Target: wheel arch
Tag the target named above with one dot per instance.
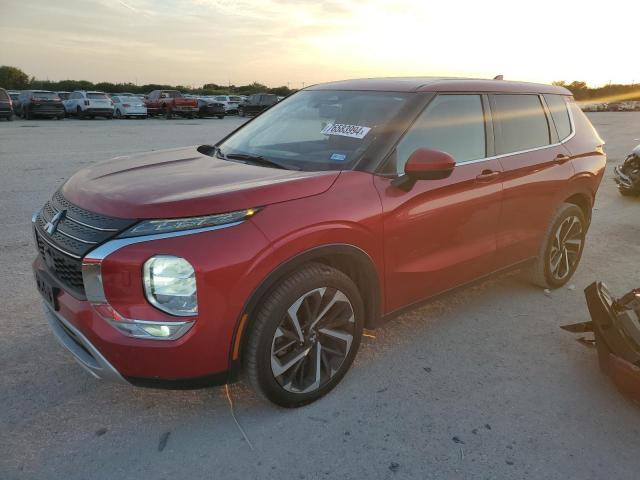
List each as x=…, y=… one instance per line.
x=349, y=259
x=582, y=201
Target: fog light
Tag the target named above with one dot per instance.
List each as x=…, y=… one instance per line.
x=142, y=328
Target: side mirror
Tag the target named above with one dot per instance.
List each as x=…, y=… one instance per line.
x=425, y=164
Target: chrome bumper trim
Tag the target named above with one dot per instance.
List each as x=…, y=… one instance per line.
x=88, y=356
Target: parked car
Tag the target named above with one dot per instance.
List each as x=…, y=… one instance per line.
x=230, y=102
x=39, y=103
x=90, y=104
x=6, y=105
x=270, y=251
x=64, y=95
x=15, y=96
x=255, y=104
x=128, y=106
x=627, y=175
x=170, y=103
x=210, y=108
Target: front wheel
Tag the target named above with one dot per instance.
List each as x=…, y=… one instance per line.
x=561, y=248
x=305, y=336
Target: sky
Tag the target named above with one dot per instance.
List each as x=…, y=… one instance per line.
x=302, y=42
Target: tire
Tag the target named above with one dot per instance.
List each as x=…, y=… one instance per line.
x=10, y=117
x=561, y=248
x=220, y=117
x=60, y=117
x=305, y=292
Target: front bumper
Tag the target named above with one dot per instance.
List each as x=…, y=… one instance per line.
x=84, y=352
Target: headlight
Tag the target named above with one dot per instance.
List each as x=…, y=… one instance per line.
x=151, y=227
x=170, y=285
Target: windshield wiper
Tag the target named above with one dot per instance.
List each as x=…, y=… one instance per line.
x=257, y=160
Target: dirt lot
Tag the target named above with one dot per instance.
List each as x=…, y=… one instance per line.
x=482, y=384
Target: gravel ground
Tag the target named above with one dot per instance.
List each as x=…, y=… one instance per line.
x=482, y=384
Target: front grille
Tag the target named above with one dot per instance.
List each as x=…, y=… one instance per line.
x=77, y=233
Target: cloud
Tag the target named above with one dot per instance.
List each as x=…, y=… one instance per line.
x=280, y=41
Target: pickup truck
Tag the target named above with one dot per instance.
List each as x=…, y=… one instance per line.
x=170, y=103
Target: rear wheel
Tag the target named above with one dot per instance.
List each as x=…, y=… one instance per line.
x=220, y=117
x=561, y=248
x=305, y=336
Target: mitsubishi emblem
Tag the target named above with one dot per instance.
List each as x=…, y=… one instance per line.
x=52, y=225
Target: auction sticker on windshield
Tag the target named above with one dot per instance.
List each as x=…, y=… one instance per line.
x=343, y=130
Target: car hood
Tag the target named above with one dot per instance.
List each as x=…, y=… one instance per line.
x=184, y=182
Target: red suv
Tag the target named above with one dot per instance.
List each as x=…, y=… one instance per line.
x=270, y=251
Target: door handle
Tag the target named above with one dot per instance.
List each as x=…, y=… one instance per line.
x=562, y=158
x=487, y=176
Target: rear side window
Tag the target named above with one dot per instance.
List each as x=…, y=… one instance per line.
x=560, y=114
x=451, y=123
x=520, y=122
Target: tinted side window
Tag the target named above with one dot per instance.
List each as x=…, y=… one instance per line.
x=451, y=123
x=4, y=96
x=521, y=123
x=560, y=114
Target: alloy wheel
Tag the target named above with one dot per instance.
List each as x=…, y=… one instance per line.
x=566, y=247
x=312, y=340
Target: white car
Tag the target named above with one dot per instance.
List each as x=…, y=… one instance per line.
x=128, y=106
x=230, y=102
x=89, y=104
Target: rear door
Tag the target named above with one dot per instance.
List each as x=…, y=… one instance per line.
x=536, y=168
x=442, y=233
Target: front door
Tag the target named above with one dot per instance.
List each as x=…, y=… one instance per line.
x=442, y=233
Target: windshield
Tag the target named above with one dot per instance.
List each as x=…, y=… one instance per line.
x=97, y=96
x=317, y=130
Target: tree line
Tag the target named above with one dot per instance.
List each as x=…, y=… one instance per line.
x=12, y=78
x=605, y=94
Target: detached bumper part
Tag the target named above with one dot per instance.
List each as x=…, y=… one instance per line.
x=616, y=326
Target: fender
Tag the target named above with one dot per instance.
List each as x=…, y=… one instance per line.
x=368, y=280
